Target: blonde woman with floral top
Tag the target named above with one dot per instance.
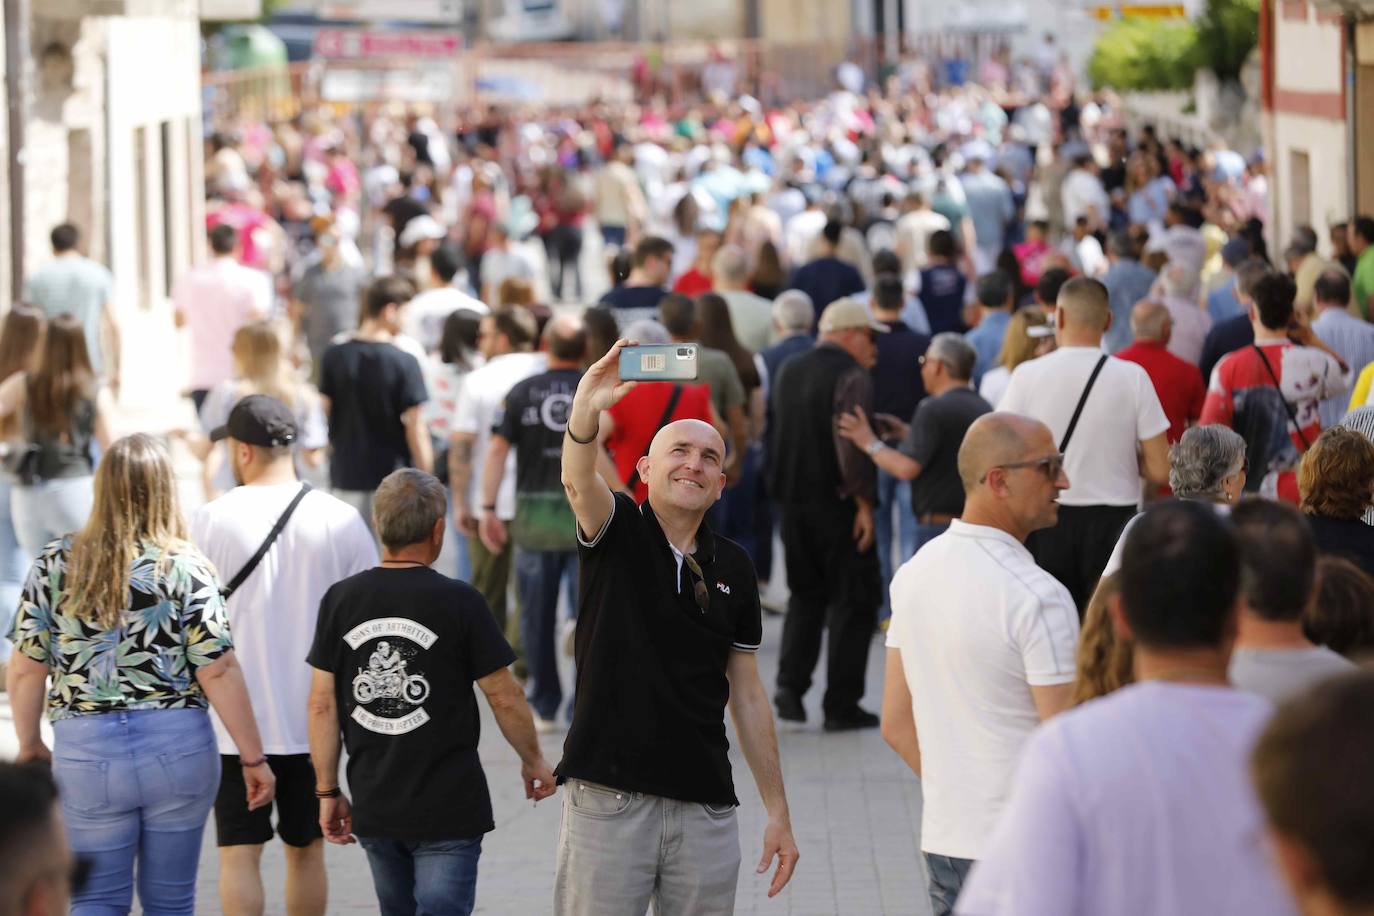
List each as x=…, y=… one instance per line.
x=123, y=626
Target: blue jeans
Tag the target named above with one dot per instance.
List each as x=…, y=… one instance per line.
x=893, y=495
x=425, y=878
x=14, y=565
x=735, y=512
x=947, y=877
x=136, y=789
x=538, y=575
x=49, y=509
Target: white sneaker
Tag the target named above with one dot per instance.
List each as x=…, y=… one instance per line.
x=545, y=726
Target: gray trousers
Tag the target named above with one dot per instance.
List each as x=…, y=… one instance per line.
x=620, y=851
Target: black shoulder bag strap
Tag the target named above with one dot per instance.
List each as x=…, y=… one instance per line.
x=1292, y=414
x=662, y=422
x=1082, y=399
x=252, y=564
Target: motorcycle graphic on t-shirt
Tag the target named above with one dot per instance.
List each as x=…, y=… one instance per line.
x=390, y=688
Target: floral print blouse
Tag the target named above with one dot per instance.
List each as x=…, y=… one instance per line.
x=175, y=623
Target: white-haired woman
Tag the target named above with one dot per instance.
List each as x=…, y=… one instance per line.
x=123, y=624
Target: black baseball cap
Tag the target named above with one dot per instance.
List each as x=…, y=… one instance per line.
x=259, y=420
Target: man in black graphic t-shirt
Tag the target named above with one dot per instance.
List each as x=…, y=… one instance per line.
x=531, y=420
x=397, y=649
x=668, y=624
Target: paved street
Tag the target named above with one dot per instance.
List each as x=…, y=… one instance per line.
x=855, y=811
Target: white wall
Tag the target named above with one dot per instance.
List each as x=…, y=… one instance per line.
x=1324, y=141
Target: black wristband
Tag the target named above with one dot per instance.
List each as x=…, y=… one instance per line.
x=328, y=793
x=489, y=507
x=587, y=441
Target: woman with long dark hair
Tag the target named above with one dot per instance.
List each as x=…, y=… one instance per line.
x=21, y=337
x=126, y=619
x=735, y=511
x=62, y=411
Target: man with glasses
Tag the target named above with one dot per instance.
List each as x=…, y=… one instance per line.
x=929, y=451
x=667, y=629
x=981, y=645
x=37, y=871
x=826, y=489
x=1105, y=416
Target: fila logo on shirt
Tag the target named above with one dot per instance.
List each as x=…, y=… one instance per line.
x=722, y=587
x=388, y=692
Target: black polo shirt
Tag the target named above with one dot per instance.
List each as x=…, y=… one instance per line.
x=651, y=685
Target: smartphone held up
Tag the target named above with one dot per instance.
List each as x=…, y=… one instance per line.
x=675, y=362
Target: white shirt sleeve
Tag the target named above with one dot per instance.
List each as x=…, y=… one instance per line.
x=362, y=552
x=1150, y=417
x=1012, y=400
x=1046, y=631
x=1033, y=861
x=465, y=408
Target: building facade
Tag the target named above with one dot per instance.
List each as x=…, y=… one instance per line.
x=1318, y=100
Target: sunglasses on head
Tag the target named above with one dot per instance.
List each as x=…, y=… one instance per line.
x=1050, y=466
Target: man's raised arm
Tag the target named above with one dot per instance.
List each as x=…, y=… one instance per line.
x=588, y=494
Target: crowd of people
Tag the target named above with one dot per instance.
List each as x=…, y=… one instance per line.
x=1008, y=383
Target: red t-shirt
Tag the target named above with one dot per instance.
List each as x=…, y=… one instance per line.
x=1178, y=384
x=693, y=283
x=636, y=419
x=1243, y=396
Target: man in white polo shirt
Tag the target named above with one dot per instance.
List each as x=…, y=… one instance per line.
x=981, y=644
x=272, y=611
x=1109, y=424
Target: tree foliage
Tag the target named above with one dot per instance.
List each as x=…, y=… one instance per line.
x=1151, y=54
x=1147, y=54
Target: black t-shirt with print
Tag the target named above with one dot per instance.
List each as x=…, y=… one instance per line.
x=651, y=684
x=369, y=385
x=532, y=419
x=405, y=646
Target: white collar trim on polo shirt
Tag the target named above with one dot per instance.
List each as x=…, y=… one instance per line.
x=964, y=529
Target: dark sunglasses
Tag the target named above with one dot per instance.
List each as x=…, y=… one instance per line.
x=699, y=590
x=1050, y=466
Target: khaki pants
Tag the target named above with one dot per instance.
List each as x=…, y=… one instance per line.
x=491, y=577
x=620, y=851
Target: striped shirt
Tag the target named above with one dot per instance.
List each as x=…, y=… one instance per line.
x=1361, y=420
x=1353, y=339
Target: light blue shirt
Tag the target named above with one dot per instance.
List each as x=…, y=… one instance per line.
x=1222, y=302
x=72, y=283
x=1127, y=282
x=1353, y=339
x=990, y=207
x=987, y=341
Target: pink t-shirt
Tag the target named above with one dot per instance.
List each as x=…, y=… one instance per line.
x=216, y=299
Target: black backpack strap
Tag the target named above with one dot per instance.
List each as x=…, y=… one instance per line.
x=1292, y=414
x=266, y=545
x=1082, y=399
x=662, y=422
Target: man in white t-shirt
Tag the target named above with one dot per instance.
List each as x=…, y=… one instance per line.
x=981, y=645
x=505, y=339
x=1118, y=436
x=272, y=616
x=1278, y=574
x=423, y=317
x=1139, y=802
x=914, y=229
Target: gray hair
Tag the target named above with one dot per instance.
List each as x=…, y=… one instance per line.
x=1202, y=459
x=794, y=311
x=646, y=331
x=1179, y=280
x=731, y=264
x=955, y=352
x=406, y=506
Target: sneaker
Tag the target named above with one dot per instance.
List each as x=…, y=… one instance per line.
x=545, y=726
x=851, y=720
x=789, y=705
